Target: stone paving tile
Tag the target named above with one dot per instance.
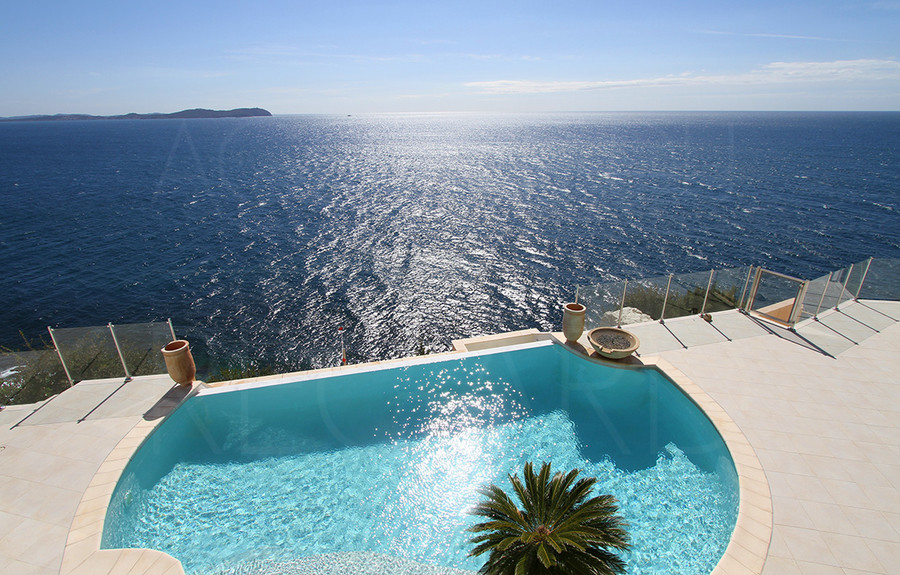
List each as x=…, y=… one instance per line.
x=734, y=325
x=854, y=552
x=75, y=403
x=886, y=552
x=828, y=517
x=885, y=307
x=812, y=568
x=827, y=432
x=849, y=327
x=867, y=316
x=874, y=524
x=46, y=468
x=654, y=338
x=46, y=504
x=13, y=566
x=783, y=565
x=825, y=339
x=131, y=398
x=807, y=545
x=693, y=331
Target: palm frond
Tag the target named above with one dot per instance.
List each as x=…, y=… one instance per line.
x=559, y=530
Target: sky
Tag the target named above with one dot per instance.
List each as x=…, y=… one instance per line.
x=340, y=56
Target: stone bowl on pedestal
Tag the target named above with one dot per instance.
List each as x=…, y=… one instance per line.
x=612, y=342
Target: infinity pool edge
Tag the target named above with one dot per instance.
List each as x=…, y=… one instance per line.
x=745, y=554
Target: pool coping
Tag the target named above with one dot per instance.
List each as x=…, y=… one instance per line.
x=745, y=554
x=748, y=548
x=749, y=545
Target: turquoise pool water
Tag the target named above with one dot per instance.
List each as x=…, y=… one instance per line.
x=387, y=462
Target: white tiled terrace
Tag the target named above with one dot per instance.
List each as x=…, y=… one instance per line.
x=819, y=408
x=52, y=455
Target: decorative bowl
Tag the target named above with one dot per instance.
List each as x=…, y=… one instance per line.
x=612, y=342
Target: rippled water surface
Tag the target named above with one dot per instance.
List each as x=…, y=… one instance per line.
x=390, y=462
x=260, y=237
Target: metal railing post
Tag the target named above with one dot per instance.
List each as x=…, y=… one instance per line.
x=708, y=287
x=863, y=279
x=754, y=288
x=622, y=304
x=844, y=287
x=576, y=293
x=744, y=291
x=797, y=308
x=61, y=360
x=171, y=329
x=822, y=299
x=119, y=351
x=662, y=315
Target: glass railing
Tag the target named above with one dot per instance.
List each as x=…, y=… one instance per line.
x=882, y=280
x=30, y=376
x=75, y=354
x=663, y=297
x=775, y=295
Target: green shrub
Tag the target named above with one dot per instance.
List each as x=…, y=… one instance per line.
x=241, y=371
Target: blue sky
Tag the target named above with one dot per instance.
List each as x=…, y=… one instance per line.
x=338, y=56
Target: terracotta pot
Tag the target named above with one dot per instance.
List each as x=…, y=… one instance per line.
x=573, y=321
x=179, y=362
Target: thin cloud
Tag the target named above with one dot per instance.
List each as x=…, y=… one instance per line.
x=840, y=71
x=891, y=5
x=269, y=51
x=530, y=87
x=175, y=73
x=766, y=35
x=502, y=57
x=436, y=42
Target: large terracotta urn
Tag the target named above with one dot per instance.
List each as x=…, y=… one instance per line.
x=573, y=321
x=179, y=362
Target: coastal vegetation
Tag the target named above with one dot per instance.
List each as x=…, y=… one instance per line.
x=244, y=370
x=558, y=530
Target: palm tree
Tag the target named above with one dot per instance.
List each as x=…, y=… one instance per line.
x=557, y=531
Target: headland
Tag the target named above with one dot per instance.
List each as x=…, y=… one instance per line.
x=184, y=114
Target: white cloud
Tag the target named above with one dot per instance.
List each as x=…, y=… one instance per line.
x=775, y=73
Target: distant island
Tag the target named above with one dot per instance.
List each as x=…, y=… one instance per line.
x=194, y=113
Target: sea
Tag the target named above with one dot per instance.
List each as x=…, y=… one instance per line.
x=269, y=240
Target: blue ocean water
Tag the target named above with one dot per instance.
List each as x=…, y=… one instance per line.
x=260, y=237
x=391, y=461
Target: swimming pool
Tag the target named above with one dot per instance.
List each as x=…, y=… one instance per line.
x=382, y=462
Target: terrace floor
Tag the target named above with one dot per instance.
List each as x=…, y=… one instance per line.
x=819, y=407
x=50, y=453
